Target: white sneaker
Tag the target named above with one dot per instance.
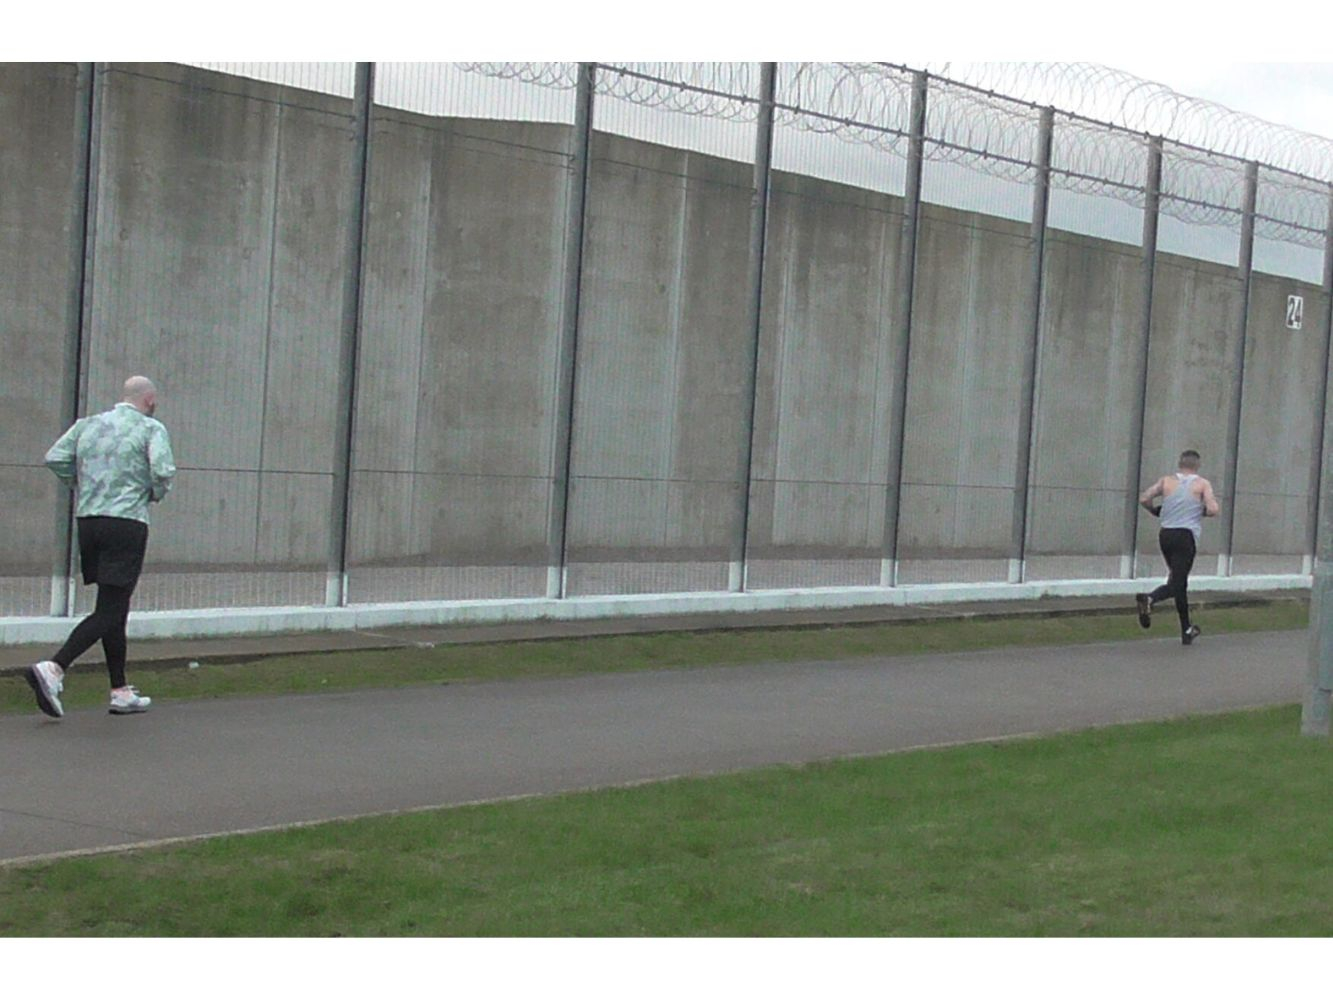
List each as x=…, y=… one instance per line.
x=46, y=681
x=127, y=701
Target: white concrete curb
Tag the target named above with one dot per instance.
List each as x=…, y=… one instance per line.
x=213, y=622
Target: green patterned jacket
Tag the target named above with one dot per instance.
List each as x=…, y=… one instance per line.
x=119, y=461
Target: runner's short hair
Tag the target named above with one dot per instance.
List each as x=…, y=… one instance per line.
x=1189, y=459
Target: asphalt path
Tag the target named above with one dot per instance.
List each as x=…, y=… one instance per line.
x=93, y=781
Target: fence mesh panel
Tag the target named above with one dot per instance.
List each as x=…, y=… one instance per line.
x=219, y=251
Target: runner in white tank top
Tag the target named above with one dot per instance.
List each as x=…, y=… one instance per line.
x=1187, y=499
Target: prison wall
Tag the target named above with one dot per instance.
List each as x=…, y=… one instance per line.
x=219, y=253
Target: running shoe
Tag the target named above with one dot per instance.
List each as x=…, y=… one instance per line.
x=1188, y=636
x=1144, y=602
x=45, y=680
x=128, y=701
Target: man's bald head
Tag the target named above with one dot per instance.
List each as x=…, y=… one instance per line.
x=141, y=394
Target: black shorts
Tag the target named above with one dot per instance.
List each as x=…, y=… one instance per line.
x=111, y=550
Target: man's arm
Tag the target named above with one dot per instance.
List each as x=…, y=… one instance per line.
x=61, y=457
x=1211, y=508
x=161, y=464
x=1147, y=496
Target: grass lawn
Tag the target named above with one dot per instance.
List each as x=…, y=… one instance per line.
x=86, y=685
x=1216, y=826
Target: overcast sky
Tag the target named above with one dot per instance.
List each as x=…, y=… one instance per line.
x=1271, y=59
x=1296, y=94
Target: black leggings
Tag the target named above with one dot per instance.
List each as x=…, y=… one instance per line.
x=1178, y=548
x=107, y=623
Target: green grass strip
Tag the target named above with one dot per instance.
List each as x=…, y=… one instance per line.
x=311, y=673
x=1210, y=826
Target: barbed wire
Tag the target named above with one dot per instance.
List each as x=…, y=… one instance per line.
x=835, y=99
x=985, y=115
x=1091, y=159
x=1206, y=143
x=1131, y=102
x=712, y=90
x=558, y=75
x=727, y=91
x=1292, y=209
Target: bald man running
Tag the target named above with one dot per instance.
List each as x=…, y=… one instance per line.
x=119, y=462
x=1187, y=499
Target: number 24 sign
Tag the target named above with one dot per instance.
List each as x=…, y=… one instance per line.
x=1295, y=310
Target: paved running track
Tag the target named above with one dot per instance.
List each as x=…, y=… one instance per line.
x=95, y=781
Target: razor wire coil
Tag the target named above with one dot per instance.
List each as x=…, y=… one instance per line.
x=985, y=116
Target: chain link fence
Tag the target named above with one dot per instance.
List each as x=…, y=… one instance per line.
x=536, y=330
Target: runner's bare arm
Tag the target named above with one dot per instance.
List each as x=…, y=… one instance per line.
x=1211, y=508
x=1147, y=496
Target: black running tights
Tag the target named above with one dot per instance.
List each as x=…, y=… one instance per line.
x=1178, y=548
x=107, y=623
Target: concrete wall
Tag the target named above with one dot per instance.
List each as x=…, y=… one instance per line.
x=824, y=399
x=969, y=336
x=1279, y=412
x=218, y=269
x=1087, y=394
x=218, y=272
x=659, y=420
x=40, y=221
x=456, y=386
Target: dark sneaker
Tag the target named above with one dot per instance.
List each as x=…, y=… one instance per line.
x=45, y=681
x=1145, y=609
x=1188, y=636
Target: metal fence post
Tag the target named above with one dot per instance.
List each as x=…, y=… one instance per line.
x=335, y=592
x=763, y=155
x=1028, y=393
x=1226, y=557
x=904, y=290
x=1315, y=710
x=576, y=205
x=1129, y=558
x=1317, y=493
x=74, y=391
